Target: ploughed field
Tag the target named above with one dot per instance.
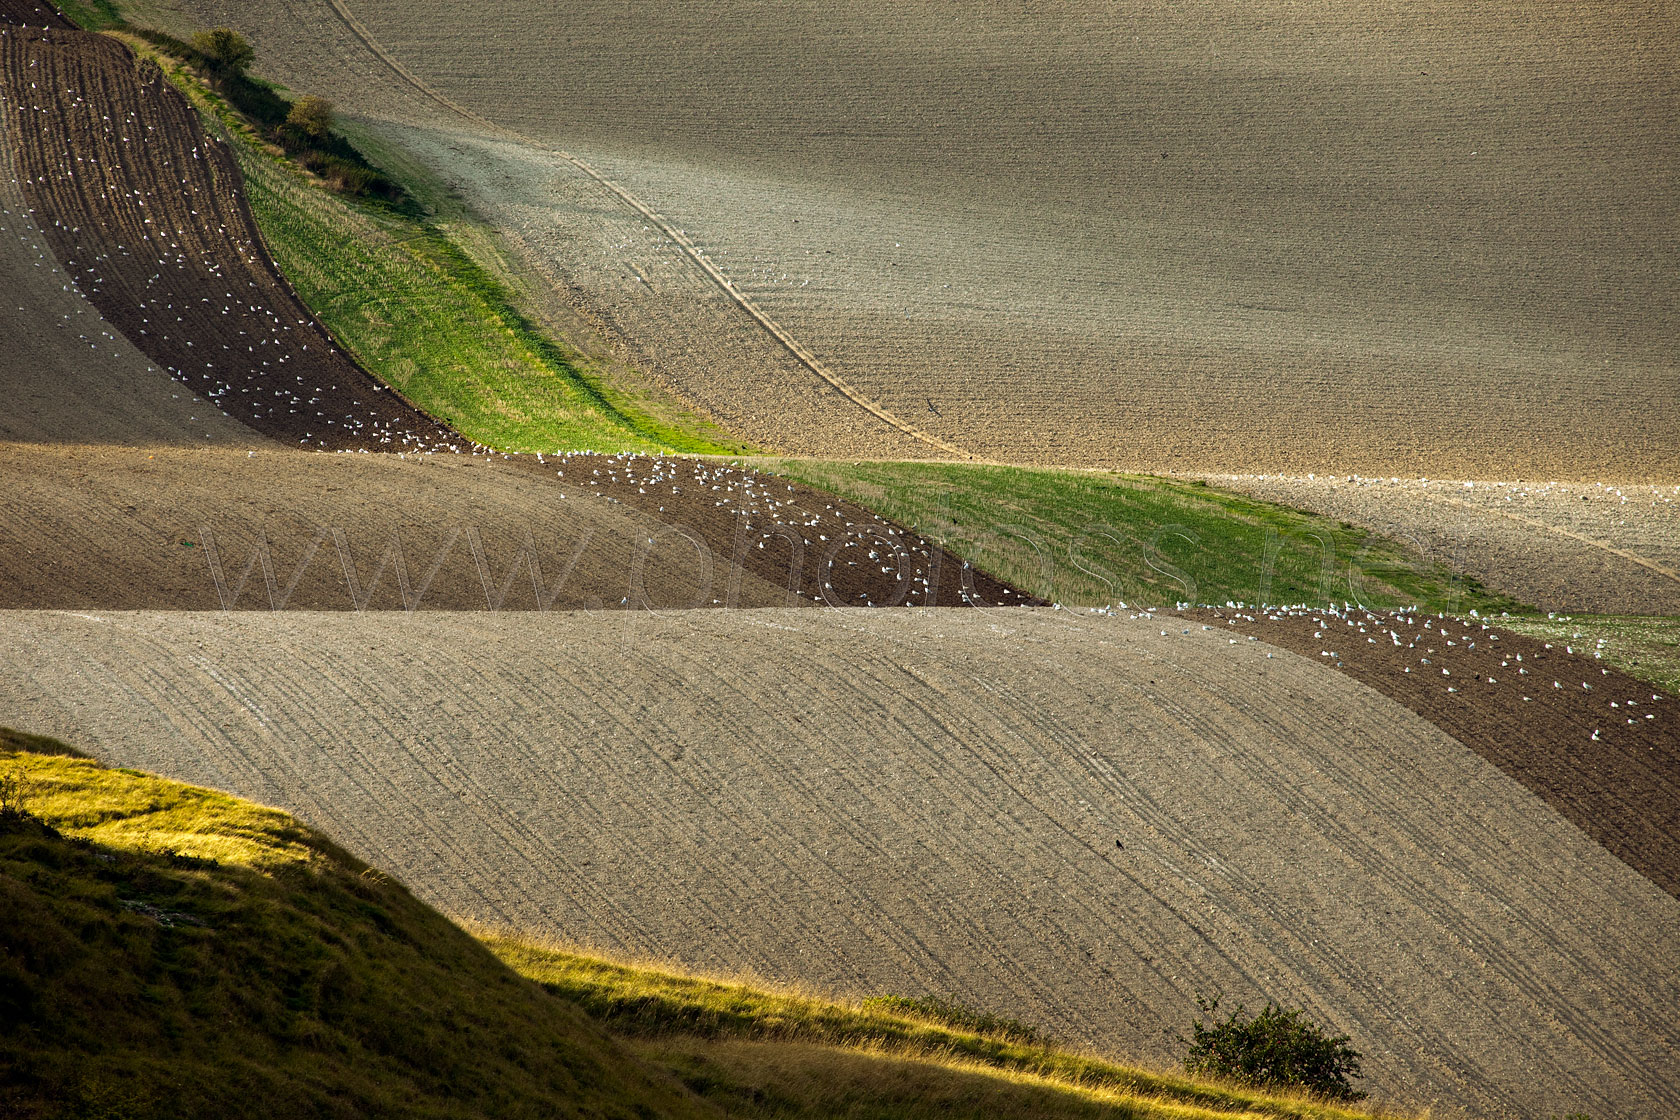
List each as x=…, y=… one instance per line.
x=1078, y=820
x=1599, y=547
x=141, y=277
x=1395, y=239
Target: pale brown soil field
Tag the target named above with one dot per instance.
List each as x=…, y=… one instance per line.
x=120, y=183
x=126, y=528
x=1600, y=747
x=929, y=802
x=1606, y=549
x=1409, y=239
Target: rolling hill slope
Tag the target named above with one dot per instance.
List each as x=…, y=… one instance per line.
x=928, y=802
x=1400, y=239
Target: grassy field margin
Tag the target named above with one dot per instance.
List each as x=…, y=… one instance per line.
x=1097, y=538
x=425, y=316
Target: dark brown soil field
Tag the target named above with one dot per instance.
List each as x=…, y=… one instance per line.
x=1597, y=745
x=144, y=212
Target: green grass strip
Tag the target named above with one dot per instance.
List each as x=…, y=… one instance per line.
x=1088, y=538
x=423, y=316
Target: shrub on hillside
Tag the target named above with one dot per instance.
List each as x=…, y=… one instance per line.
x=224, y=50
x=1277, y=1049
x=312, y=116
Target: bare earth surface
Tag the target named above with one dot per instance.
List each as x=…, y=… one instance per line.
x=929, y=802
x=69, y=375
x=1409, y=239
x=1602, y=548
x=124, y=528
x=146, y=214
x=1597, y=745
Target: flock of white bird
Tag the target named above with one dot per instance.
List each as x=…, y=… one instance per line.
x=771, y=512
x=1430, y=635
x=189, y=296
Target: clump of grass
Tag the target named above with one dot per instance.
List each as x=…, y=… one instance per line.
x=1092, y=538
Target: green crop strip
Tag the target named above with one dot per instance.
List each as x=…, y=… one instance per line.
x=422, y=315
x=1084, y=538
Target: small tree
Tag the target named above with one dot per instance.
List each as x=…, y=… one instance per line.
x=312, y=116
x=1277, y=1049
x=225, y=50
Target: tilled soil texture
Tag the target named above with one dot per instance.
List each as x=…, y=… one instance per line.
x=822, y=548
x=33, y=13
x=1600, y=747
x=1598, y=547
x=286, y=529
x=1423, y=239
x=145, y=212
x=126, y=528
x=67, y=375
x=1077, y=820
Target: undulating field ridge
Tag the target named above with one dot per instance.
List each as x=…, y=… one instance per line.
x=1080, y=821
x=1395, y=239
x=1245, y=241
x=115, y=197
x=176, y=951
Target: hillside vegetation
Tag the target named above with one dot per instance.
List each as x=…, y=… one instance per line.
x=171, y=950
x=1094, y=538
x=426, y=316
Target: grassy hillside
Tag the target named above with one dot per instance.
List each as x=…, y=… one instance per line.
x=175, y=951
x=172, y=951
x=418, y=308
x=1095, y=538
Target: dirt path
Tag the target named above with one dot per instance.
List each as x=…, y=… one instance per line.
x=930, y=801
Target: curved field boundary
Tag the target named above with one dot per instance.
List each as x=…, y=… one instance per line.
x=1631, y=557
x=148, y=219
x=1600, y=747
x=774, y=329
x=1080, y=821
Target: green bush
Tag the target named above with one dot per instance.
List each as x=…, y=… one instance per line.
x=1277, y=1049
x=225, y=50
